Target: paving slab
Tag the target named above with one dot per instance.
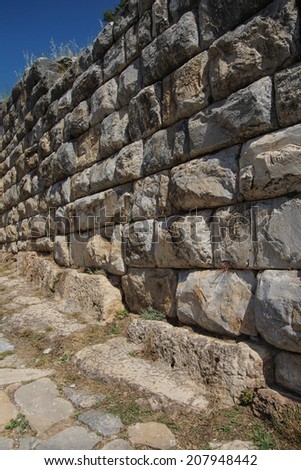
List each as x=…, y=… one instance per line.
x=6, y=444
x=10, y=376
x=28, y=443
x=105, y=423
x=233, y=445
x=40, y=403
x=73, y=438
x=155, y=435
x=8, y=410
x=83, y=399
x=118, y=444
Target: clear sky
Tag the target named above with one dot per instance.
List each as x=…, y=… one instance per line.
x=29, y=25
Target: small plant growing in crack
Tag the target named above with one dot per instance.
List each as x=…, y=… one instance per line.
x=20, y=423
x=151, y=313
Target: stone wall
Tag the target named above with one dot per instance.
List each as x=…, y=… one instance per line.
x=168, y=156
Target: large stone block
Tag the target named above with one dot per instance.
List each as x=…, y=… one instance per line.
x=128, y=166
x=114, y=59
x=104, y=101
x=243, y=115
x=90, y=293
x=137, y=37
x=218, y=301
x=86, y=84
x=150, y=197
x=145, y=112
x=102, y=175
x=65, y=104
x=186, y=91
x=155, y=288
x=171, y=49
x=59, y=165
x=87, y=149
x=80, y=185
x=288, y=94
x=270, y=166
x=216, y=18
x=184, y=242
x=114, y=132
x=160, y=20
x=288, y=371
x=138, y=239
x=269, y=41
x=206, y=182
x=277, y=309
x=61, y=253
x=178, y=7
x=129, y=83
x=77, y=122
x=103, y=42
x=166, y=148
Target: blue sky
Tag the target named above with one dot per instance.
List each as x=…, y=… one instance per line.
x=29, y=25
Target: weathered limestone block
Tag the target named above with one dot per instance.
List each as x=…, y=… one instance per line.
x=87, y=149
x=123, y=21
x=104, y=101
x=77, y=122
x=206, y=182
x=44, y=273
x=114, y=132
x=216, y=18
x=58, y=194
x=288, y=93
x=288, y=371
x=59, y=165
x=145, y=112
x=11, y=197
x=114, y=59
x=259, y=48
x=270, y=166
x=138, y=36
x=61, y=252
x=40, y=245
x=128, y=165
x=51, y=116
x=155, y=288
x=178, y=7
x=150, y=197
x=44, y=146
x=85, y=59
x=166, y=148
x=80, y=185
x=243, y=115
x=86, y=84
x=65, y=104
x=103, y=42
x=89, y=250
x=116, y=263
x=102, y=175
x=11, y=233
x=226, y=368
x=218, y=301
x=144, y=5
x=277, y=309
x=129, y=83
x=56, y=135
x=186, y=91
x=90, y=293
x=171, y=49
x=184, y=242
x=160, y=21
x=42, y=68
x=138, y=239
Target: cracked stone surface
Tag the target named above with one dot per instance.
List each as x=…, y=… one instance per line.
x=8, y=410
x=11, y=376
x=155, y=435
x=105, y=423
x=73, y=438
x=82, y=399
x=6, y=444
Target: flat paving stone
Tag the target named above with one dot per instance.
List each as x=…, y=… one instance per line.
x=11, y=376
x=6, y=444
x=155, y=435
x=105, y=423
x=118, y=444
x=82, y=399
x=12, y=362
x=233, y=445
x=8, y=410
x=5, y=346
x=73, y=438
x=40, y=403
x=28, y=443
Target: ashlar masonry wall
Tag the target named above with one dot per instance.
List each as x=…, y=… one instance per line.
x=168, y=155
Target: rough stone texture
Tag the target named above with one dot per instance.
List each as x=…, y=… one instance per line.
x=90, y=292
x=73, y=438
x=244, y=114
x=233, y=445
x=145, y=288
x=105, y=423
x=288, y=371
x=77, y=122
x=150, y=197
x=118, y=444
x=7, y=410
x=287, y=96
x=5, y=346
x=171, y=49
x=104, y=101
x=145, y=112
x=113, y=363
x=28, y=443
x=186, y=91
x=218, y=301
x=129, y=83
x=155, y=435
x=139, y=244
x=277, y=309
x=41, y=404
x=12, y=376
x=114, y=59
x=217, y=18
x=86, y=84
x=270, y=165
x=83, y=399
x=114, y=132
x=6, y=444
x=207, y=182
x=254, y=50
x=225, y=368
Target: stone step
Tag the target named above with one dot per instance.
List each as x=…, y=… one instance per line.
x=116, y=361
